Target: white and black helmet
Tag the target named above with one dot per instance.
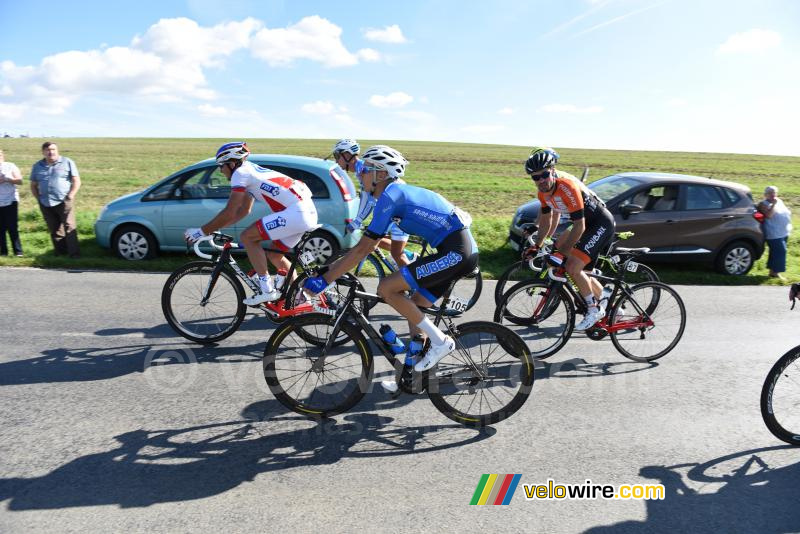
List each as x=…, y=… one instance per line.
x=385, y=158
x=235, y=151
x=346, y=145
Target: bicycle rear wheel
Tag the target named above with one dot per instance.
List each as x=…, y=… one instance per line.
x=780, y=398
x=209, y=322
x=649, y=323
x=541, y=315
x=469, y=288
x=486, y=379
x=309, y=382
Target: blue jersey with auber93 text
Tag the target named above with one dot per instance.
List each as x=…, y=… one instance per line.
x=417, y=211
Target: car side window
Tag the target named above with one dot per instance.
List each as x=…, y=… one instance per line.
x=163, y=191
x=702, y=197
x=194, y=184
x=314, y=182
x=217, y=185
x=656, y=198
x=733, y=197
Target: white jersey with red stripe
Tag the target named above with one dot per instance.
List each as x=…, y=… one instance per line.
x=272, y=188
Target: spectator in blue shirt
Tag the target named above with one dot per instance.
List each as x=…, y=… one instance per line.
x=55, y=182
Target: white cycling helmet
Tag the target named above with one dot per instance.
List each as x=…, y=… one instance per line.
x=346, y=145
x=235, y=151
x=385, y=158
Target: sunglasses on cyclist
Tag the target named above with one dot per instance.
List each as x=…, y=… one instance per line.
x=365, y=169
x=547, y=173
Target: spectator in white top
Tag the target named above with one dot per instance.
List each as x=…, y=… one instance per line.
x=10, y=179
x=777, y=226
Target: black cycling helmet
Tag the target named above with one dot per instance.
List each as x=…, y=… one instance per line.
x=540, y=159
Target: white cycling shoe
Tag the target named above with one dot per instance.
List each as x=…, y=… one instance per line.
x=435, y=354
x=264, y=296
x=390, y=386
x=594, y=314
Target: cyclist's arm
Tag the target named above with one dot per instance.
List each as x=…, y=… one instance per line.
x=548, y=222
x=238, y=202
x=365, y=204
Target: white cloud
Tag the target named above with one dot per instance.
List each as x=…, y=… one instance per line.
x=393, y=100
x=320, y=107
x=482, y=128
x=676, y=102
x=207, y=110
x=313, y=38
x=755, y=40
x=369, y=55
x=12, y=111
x=165, y=64
x=389, y=34
x=505, y=111
x=570, y=108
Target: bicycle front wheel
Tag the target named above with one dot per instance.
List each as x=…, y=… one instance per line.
x=516, y=272
x=486, y=379
x=313, y=382
x=780, y=398
x=648, y=323
x=541, y=315
x=201, y=310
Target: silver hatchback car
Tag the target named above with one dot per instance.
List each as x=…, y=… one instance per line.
x=137, y=225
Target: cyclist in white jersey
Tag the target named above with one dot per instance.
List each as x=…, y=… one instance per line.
x=345, y=153
x=289, y=200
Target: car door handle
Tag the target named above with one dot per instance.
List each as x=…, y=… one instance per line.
x=729, y=216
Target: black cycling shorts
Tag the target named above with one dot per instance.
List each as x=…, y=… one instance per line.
x=596, y=238
x=455, y=257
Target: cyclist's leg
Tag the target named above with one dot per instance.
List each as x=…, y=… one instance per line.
x=251, y=238
x=288, y=227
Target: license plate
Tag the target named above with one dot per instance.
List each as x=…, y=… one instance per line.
x=632, y=266
x=307, y=258
x=457, y=304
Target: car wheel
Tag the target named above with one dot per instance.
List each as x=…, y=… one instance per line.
x=134, y=242
x=322, y=245
x=736, y=258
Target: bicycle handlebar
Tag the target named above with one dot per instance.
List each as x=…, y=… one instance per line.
x=210, y=240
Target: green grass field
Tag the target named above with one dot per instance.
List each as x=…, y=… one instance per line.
x=486, y=180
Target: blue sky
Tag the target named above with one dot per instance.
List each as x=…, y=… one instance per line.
x=717, y=76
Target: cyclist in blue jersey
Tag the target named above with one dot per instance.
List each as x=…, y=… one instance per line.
x=420, y=212
x=345, y=153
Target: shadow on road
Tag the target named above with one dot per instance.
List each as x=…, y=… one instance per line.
x=748, y=491
x=158, y=466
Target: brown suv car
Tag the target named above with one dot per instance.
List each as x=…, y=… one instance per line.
x=680, y=217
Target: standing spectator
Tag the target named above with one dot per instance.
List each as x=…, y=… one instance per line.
x=10, y=178
x=777, y=225
x=55, y=182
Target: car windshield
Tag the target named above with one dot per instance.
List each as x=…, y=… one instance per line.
x=611, y=186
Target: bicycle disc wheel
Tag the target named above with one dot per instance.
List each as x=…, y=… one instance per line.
x=644, y=334
x=486, y=379
x=516, y=272
x=469, y=288
x=181, y=302
x=780, y=398
x=542, y=316
x=308, y=382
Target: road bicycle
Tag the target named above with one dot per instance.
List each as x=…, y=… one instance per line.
x=380, y=264
x=485, y=380
x=615, y=258
x=645, y=321
x=202, y=300
x=780, y=394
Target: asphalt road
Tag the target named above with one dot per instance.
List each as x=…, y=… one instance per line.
x=95, y=436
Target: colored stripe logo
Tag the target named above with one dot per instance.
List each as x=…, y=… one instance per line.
x=495, y=489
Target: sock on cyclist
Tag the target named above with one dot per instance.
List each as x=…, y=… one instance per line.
x=265, y=281
x=436, y=336
x=591, y=301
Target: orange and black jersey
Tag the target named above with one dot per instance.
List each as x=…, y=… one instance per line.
x=570, y=195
